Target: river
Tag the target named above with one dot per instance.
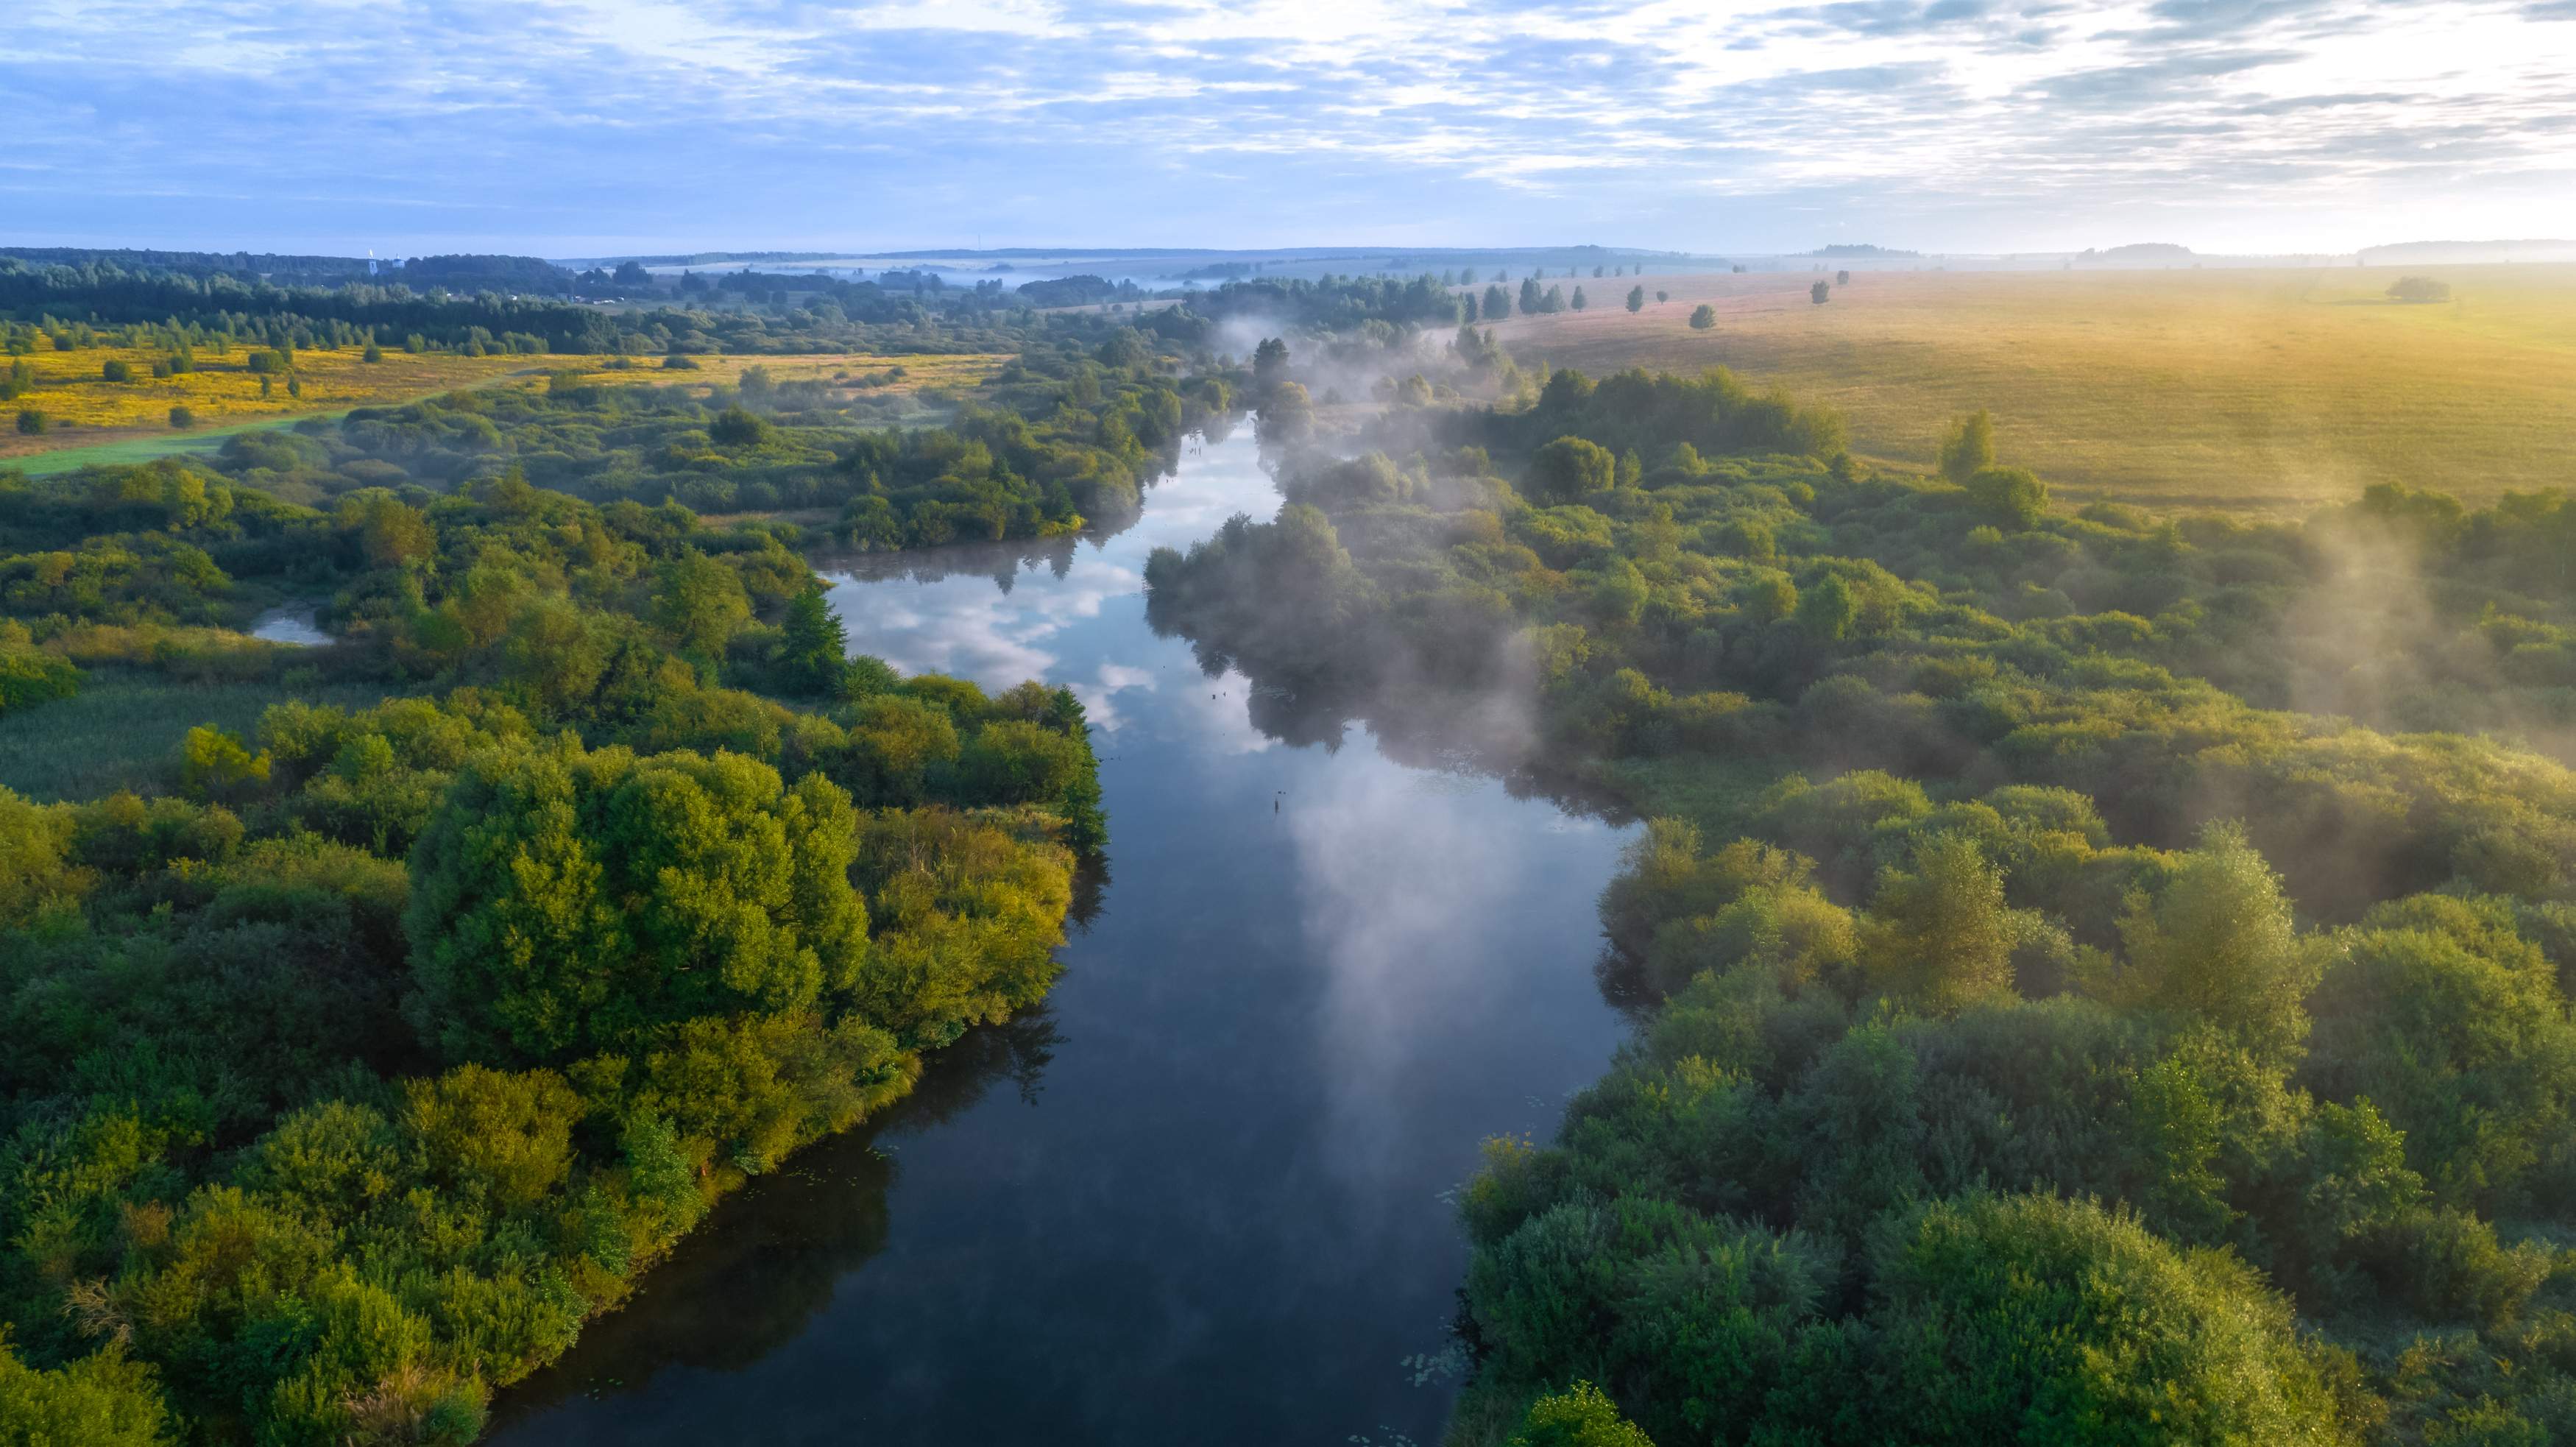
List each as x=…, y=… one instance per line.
x=1201, y=1196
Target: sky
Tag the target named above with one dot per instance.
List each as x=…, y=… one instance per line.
x=406, y=127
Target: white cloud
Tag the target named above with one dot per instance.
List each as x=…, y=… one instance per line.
x=1953, y=124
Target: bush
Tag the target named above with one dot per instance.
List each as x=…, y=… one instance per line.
x=2012, y=496
x=738, y=428
x=1702, y=319
x=118, y=371
x=1568, y=468
x=32, y=422
x=181, y=417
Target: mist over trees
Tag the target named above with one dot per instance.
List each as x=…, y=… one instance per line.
x=2047, y=1027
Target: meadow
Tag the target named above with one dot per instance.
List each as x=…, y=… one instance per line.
x=83, y=408
x=128, y=422
x=2268, y=392
x=123, y=730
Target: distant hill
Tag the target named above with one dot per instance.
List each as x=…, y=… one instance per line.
x=2143, y=251
x=2426, y=253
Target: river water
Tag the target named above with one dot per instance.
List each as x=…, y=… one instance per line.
x=1200, y=1197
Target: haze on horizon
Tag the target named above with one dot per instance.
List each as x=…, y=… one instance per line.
x=1959, y=125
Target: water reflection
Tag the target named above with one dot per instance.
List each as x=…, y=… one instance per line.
x=1320, y=976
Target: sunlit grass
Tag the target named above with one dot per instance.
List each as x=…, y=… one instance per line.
x=2268, y=391
x=72, y=390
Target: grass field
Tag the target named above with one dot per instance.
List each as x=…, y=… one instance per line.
x=124, y=729
x=2262, y=391
x=83, y=408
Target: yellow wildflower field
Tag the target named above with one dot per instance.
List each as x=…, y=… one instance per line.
x=79, y=404
x=83, y=409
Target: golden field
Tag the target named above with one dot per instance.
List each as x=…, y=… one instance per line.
x=84, y=410
x=2267, y=391
x=72, y=391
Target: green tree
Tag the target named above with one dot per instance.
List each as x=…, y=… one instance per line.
x=1637, y=298
x=1820, y=292
x=31, y=422
x=735, y=427
x=1703, y=318
x=1968, y=447
x=1498, y=302
x=1570, y=468
x=214, y=763
x=2419, y=289
x=813, y=654
x=1579, y=1416
x=118, y=372
x=1941, y=934
x=100, y=1400
x=2219, y=942
x=566, y=902
x=2038, y=1319
x=182, y=419
x=1828, y=610
x=1270, y=364
x=698, y=602
x=1579, y=302
x=1530, y=299
x=2012, y=496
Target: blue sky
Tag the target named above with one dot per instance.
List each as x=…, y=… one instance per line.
x=1955, y=125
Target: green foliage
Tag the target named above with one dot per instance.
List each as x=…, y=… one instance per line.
x=1702, y=317
x=813, y=653
x=1968, y=448
x=1579, y=1416
x=102, y=1400
x=1941, y=934
x=2218, y=942
x=569, y=902
x=1568, y=468
x=2072, y=1043
x=2009, y=495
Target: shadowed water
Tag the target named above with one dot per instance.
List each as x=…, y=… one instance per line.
x=1199, y=1197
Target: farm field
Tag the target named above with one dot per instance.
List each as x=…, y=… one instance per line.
x=2260, y=391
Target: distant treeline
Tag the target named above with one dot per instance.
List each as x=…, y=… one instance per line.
x=829, y=314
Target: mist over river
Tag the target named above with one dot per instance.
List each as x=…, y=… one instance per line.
x=1198, y=1197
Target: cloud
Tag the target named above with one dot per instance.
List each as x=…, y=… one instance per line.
x=410, y=126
